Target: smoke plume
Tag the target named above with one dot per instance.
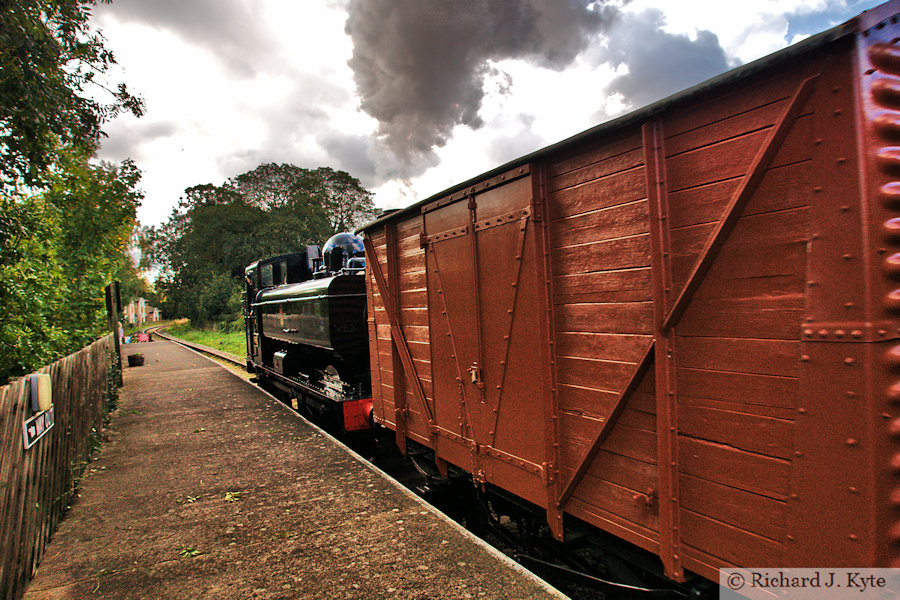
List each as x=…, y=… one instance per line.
x=419, y=66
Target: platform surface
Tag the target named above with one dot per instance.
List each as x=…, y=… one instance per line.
x=208, y=488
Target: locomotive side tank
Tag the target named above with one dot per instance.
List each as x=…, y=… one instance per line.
x=328, y=314
x=680, y=327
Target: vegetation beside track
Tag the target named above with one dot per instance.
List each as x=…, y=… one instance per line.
x=214, y=337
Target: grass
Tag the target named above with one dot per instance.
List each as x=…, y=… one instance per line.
x=214, y=337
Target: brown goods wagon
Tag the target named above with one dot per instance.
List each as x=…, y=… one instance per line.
x=681, y=326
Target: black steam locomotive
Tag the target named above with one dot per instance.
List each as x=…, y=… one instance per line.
x=307, y=338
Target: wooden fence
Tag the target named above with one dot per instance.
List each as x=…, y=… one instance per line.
x=38, y=483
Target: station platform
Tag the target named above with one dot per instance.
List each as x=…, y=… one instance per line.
x=207, y=487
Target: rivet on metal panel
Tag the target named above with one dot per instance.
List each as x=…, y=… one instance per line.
x=890, y=194
x=853, y=490
x=887, y=124
x=801, y=410
x=847, y=256
x=889, y=159
x=893, y=393
x=798, y=453
x=894, y=428
x=851, y=395
x=848, y=305
x=841, y=160
x=892, y=265
x=817, y=190
x=807, y=332
x=804, y=358
x=856, y=333
x=892, y=228
x=892, y=358
x=853, y=537
x=790, y=538
x=812, y=283
x=895, y=463
x=839, y=333
x=849, y=361
x=852, y=441
x=837, y=112
x=818, y=142
x=845, y=208
x=823, y=333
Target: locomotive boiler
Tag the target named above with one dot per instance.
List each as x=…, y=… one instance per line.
x=307, y=337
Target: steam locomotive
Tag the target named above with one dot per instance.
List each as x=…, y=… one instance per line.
x=307, y=339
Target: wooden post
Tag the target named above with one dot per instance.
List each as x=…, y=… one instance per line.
x=113, y=310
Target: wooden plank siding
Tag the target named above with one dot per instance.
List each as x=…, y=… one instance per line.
x=36, y=484
x=413, y=321
x=737, y=343
x=722, y=278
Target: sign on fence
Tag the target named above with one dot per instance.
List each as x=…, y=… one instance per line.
x=35, y=427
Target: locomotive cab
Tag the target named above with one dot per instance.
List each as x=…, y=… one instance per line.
x=295, y=267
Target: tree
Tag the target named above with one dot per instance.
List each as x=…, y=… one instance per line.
x=348, y=204
x=96, y=206
x=345, y=202
x=74, y=240
x=51, y=65
x=216, y=231
x=64, y=222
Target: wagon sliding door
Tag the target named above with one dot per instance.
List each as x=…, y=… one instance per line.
x=484, y=315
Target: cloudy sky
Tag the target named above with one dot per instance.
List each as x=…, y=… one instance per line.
x=410, y=96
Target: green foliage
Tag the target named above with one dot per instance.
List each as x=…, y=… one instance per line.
x=51, y=71
x=69, y=243
x=64, y=223
x=217, y=231
x=228, y=336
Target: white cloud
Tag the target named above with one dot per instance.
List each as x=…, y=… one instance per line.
x=230, y=84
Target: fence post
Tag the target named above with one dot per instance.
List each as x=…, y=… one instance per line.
x=113, y=310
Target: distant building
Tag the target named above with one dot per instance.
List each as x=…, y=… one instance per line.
x=138, y=311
